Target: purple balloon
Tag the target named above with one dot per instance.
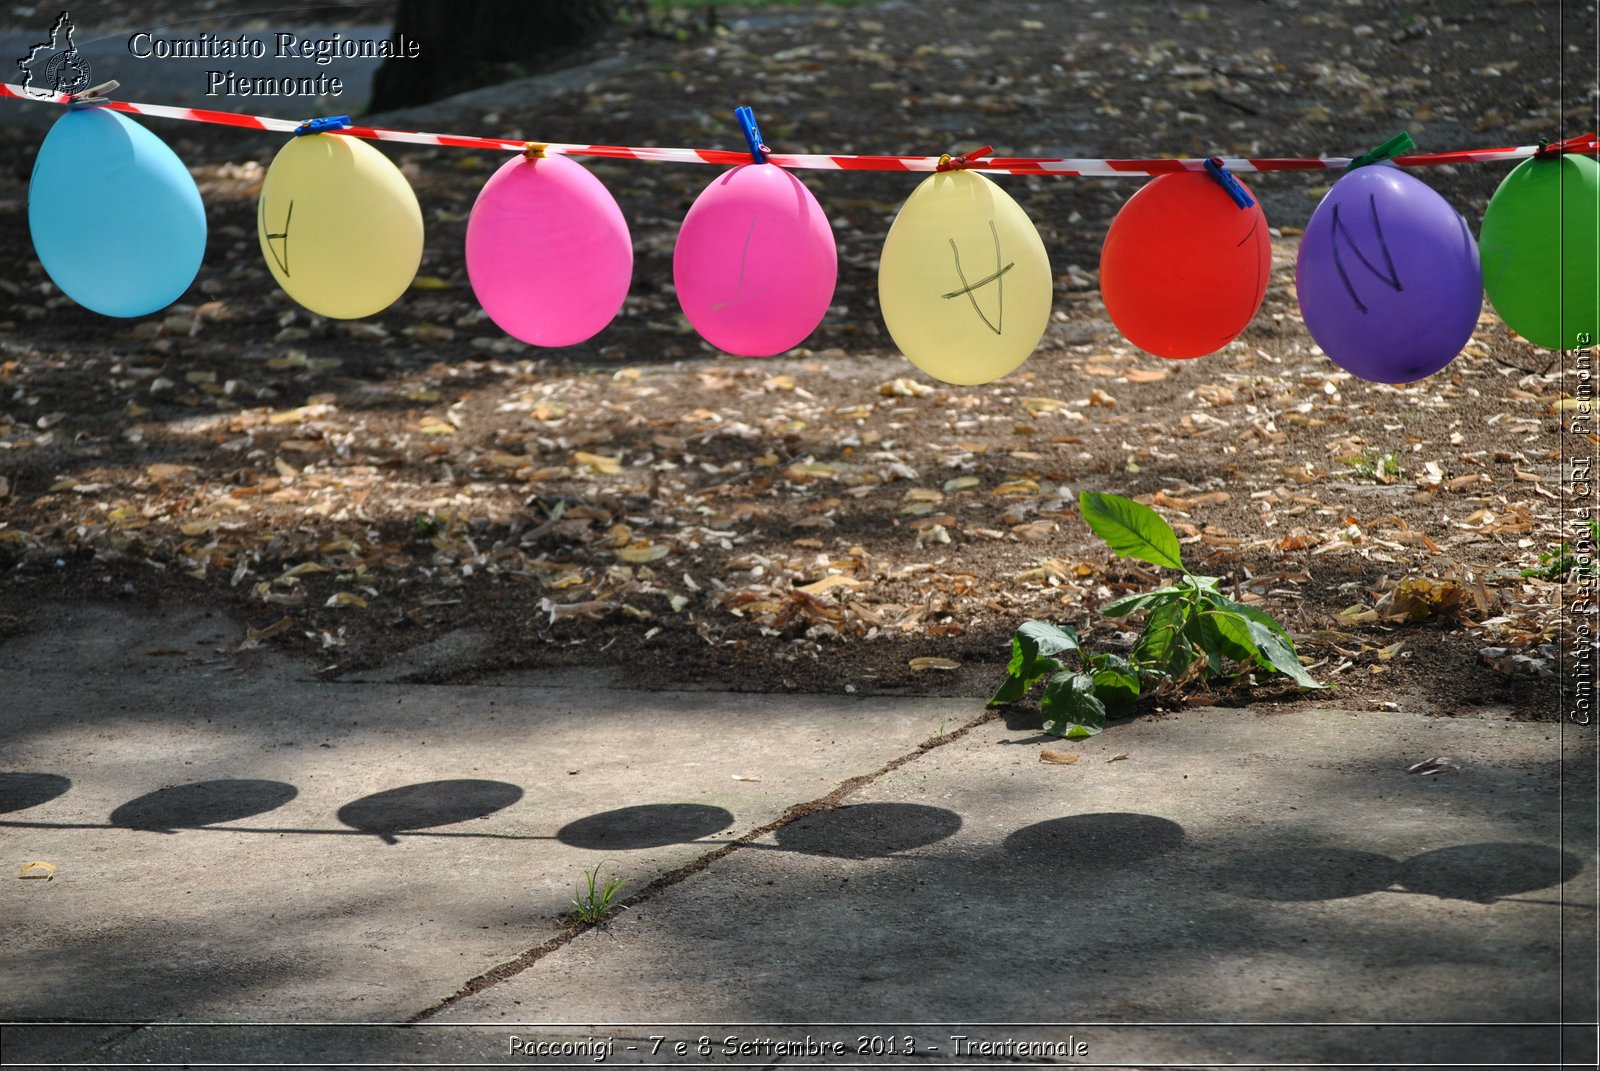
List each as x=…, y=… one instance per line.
x=1388, y=276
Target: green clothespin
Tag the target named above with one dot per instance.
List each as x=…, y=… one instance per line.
x=1398, y=145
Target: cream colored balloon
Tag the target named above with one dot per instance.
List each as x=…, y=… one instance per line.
x=339, y=226
x=964, y=282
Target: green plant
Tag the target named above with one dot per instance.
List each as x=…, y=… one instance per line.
x=1372, y=465
x=592, y=906
x=1555, y=564
x=1191, y=631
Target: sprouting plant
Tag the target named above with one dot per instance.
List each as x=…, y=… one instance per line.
x=593, y=905
x=1556, y=563
x=1372, y=465
x=1191, y=631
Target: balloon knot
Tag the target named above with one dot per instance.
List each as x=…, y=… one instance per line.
x=964, y=161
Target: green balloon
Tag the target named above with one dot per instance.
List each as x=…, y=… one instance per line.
x=1540, y=250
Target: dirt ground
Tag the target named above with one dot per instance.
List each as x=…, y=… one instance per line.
x=354, y=490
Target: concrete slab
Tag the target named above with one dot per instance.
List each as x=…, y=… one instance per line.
x=298, y=861
x=1231, y=868
x=238, y=843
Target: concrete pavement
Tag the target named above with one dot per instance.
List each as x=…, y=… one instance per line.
x=236, y=842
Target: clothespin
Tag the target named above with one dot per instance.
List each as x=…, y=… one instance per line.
x=752, y=133
x=99, y=94
x=964, y=161
x=1583, y=143
x=1233, y=186
x=533, y=150
x=1398, y=145
x=318, y=126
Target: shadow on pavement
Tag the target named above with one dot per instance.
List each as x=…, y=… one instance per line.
x=433, y=803
x=202, y=803
x=650, y=825
x=868, y=830
x=19, y=791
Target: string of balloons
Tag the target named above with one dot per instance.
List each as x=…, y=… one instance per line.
x=1389, y=277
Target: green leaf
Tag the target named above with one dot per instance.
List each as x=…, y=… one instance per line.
x=1162, y=646
x=1031, y=648
x=1117, y=687
x=1249, y=613
x=1132, y=604
x=1018, y=685
x=1131, y=529
x=1070, y=707
x=1281, y=655
x=1049, y=639
x=1228, y=634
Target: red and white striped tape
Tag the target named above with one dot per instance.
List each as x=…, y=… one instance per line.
x=1015, y=165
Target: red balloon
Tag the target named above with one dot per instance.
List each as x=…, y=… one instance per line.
x=1183, y=269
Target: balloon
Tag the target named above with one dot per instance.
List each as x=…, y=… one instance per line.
x=964, y=282
x=1184, y=268
x=755, y=263
x=339, y=226
x=1388, y=276
x=115, y=217
x=1539, y=251
x=548, y=251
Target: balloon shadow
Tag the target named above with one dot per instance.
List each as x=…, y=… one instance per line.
x=19, y=791
x=868, y=830
x=202, y=803
x=1487, y=872
x=1301, y=874
x=652, y=825
x=1102, y=840
x=421, y=806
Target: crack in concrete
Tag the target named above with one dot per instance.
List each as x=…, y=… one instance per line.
x=511, y=968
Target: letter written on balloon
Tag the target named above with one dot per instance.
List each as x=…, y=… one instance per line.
x=755, y=263
x=1184, y=269
x=1388, y=276
x=964, y=282
x=548, y=251
x=1541, y=253
x=339, y=226
x=116, y=219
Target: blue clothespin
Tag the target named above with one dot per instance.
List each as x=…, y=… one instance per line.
x=318, y=126
x=752, y=133
x=1235, y=189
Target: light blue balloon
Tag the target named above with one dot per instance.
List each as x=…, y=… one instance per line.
x=116, y=219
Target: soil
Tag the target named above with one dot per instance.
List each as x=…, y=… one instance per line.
x=366, y=493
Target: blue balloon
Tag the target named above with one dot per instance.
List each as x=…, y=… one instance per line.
x=116, y=219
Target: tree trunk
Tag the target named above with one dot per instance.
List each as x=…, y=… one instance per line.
x=465, y=44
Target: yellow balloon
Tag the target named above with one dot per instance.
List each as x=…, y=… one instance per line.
x=964, y=282
x=339, y=225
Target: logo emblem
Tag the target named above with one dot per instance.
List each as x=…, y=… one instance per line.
x=55, y=66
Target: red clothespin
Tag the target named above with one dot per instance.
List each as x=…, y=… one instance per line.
x=1583, y=143
x=964, y=161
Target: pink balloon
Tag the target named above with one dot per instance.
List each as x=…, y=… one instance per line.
x=755, y=262
x=548, y=251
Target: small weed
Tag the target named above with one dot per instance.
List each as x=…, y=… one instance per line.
x=1557, y=563
x=593, y=905
x=1371, y=465
x=1191, y=632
